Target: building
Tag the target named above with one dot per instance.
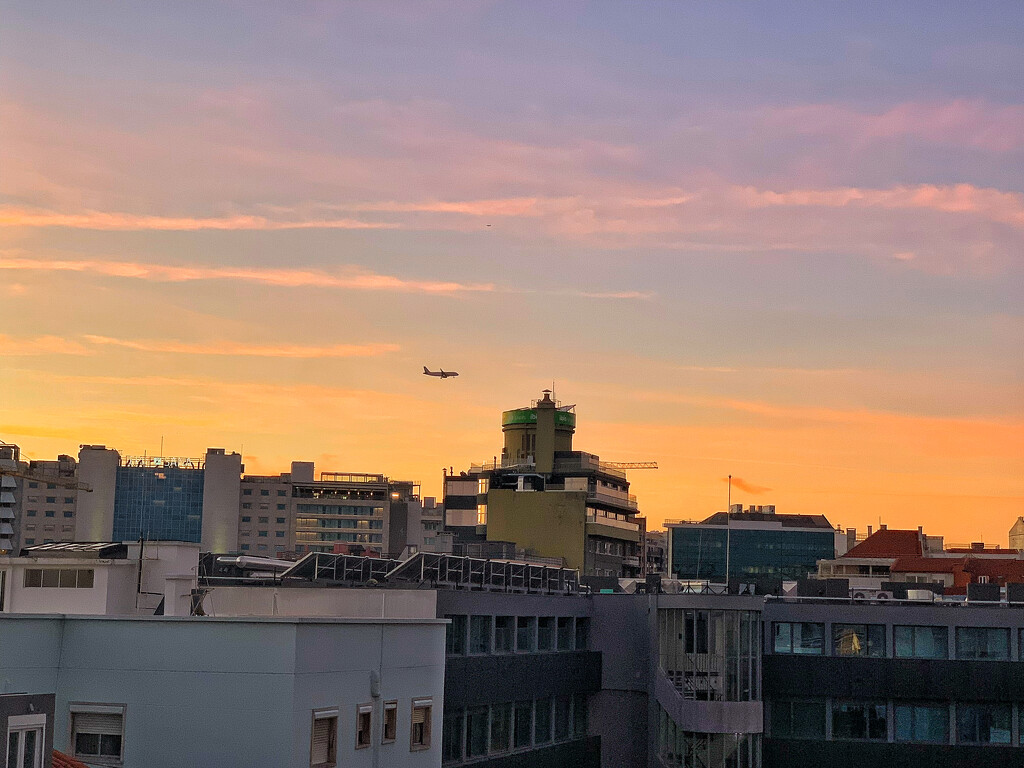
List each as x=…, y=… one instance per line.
x=890, y=556
x=259, y=692
x=656, y=553
x=548, y=500
x=159, y=498
x=1017, y=535
x=295, y=513
x=755, y=543
x=10, y=491
x=102, y=579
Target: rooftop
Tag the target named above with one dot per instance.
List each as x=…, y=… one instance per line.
x=888, y=542
x=786, y=521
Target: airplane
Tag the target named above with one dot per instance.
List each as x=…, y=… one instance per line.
x=439, y=373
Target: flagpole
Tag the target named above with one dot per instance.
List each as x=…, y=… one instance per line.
x=728, y=537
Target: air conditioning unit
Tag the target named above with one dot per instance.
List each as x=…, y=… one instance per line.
x=859, y=596
x=883, y=595
x=925, y=595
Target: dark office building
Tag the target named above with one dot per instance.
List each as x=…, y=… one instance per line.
x=761, y=544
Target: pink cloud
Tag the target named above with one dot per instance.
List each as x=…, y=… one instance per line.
x=99, y=220
x=972, y=123
x=40, y=345
x=293, y=278
x=231, y=348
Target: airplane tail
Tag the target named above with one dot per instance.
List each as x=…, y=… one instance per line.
x=425, y=369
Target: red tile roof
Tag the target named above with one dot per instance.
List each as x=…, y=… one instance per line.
x=60, y=760
x=917, y=564
x=888, y=542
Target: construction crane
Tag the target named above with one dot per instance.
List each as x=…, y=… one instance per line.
x=60, y=482
x=630, y=464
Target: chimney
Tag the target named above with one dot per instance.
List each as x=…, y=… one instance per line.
x=977, y=546
x=869, y=530
x=883, y=527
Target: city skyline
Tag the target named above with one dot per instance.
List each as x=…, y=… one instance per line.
x=779, y=245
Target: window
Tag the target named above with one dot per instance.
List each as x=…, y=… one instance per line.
x=51, y=499
x=479, y=634
x=921, y=642
x=247, y=491
x=33, y=485
x=522, y=724
x=565, y=633
x=261, y=534
x=476, y=731
x=983, y=723
x=451, y=738
x=420, y=734
x=29, y=542
x=546, y=633
x=455, y=636
x=31, y=513
x=50, y=513
x=526, y=634
x=279, y=534
x=579, y=714
x=992, y=643
x=263, y=520
x=390, y=731
x=501, y=727
x=859, y=720
x=68, y=578
x=25, y=740
x=69, y=499
x=923, y=723
x=483, y=485
x=563, y=717
x=97, y=732
x=281, y=493
x=542, y=721
x=858, y=640
x=582, y=633
x=246, y=519
x=481, y=514
x=245, y=547
x=364, y=725
x=798, y=719
x=503, y=634
x=69, y=513
x=323, y=742
x=246, y=505
x=264, y=492
x=799, y=638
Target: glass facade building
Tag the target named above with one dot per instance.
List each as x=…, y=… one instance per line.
x=698, y=551
x=162, y=502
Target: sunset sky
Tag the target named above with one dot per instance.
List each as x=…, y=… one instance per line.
x=782, y=241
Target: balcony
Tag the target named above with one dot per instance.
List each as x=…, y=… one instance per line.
x=620, y=500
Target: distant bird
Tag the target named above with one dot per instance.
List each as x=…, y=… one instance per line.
x=440, y=373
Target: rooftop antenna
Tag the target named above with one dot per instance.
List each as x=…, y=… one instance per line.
x=161, y=445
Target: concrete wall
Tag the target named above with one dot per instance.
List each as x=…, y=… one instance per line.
x=112, y=591
x=230, y=692
x=321, y=601
x=97, y=467
x=550, y=523
x=221, y=491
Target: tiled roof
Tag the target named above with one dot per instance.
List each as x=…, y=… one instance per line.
x=1008, y=570
x=888, y=543
x=60, y=760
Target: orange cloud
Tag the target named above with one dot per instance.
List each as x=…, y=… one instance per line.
x=230, y=348
x=746, y=487
x=123, y=222
x=40, y=345
x=291, y=278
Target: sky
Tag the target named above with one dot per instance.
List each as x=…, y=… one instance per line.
x=778, y=241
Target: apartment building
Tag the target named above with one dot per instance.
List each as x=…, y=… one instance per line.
x=297, y=512
x=547, y=499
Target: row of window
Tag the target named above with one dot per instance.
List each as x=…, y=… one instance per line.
x=910, y=642
x=323, y=742
x=479, y=635
x=264, y=520
x=48, y=513
x=264, y=534
x=924, y=723
x=263, y=492
x=521, y=725
x=280, y=507
x=73, y=578
x=50, y=499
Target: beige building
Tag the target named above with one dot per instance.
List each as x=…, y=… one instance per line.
x=1017, y=535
